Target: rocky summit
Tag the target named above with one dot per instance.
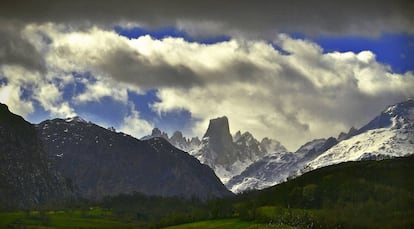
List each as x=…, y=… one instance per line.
x=230, y=156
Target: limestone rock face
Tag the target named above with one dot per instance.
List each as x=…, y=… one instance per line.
x=230, y=156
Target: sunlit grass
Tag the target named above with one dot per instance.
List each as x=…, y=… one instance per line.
x=226, y=223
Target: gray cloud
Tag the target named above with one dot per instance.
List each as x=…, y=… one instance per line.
x=130, y=67
x=258, y=18
x=15, y=50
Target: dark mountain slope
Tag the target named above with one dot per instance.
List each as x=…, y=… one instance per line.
x=27, y=178
x=349, y=181
x=101, y=162
x=361, y=194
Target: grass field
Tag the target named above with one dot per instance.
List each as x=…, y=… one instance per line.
x=226, y=223
x=92, y=218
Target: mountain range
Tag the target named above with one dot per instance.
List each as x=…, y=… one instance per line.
x=62, y=159
x=243, y=163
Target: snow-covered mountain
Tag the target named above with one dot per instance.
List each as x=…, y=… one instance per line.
x=229, y=156
x=243, y=163
x=277, y=167
x=391, y=134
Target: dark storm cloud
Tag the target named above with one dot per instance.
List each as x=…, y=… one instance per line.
x=257, y=18
x=129, y=66
x=15, y=50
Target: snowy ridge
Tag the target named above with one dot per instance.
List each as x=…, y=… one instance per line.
x=374, y=144
x=277, y=167
x=391, y=134
x=267, y=171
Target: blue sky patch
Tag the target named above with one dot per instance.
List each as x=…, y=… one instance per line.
x=175, y=120
x=396, y=50
x=167, y=121
x=164, y=32
x=72, y=90
x=39, y=114
x=3, y=81
x=106, y=110
x=26, y=92
x=142, y=103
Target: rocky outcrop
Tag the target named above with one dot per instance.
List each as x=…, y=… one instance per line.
x=230, y=156
x=177, y=140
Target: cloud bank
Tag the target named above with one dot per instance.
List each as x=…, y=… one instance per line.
x=288, y=89
x=261, y=18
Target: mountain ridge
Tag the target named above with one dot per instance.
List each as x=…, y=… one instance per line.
x=273, y=168
x=102, y=162
x=390, y=134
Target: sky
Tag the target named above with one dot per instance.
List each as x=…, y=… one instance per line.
x=291, y=70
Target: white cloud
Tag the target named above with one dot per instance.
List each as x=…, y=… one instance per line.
x=294, y=98
x=134, y=125
x=43, y=88
x=10, y=95
x=102, y=88
x=50, y=98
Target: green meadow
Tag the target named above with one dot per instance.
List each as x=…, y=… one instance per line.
x=92, y=218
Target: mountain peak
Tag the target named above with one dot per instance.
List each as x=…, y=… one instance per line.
x=177, y=135
x=343, y=136
x=218, y=134
x=401, y=109
x=10, y=119
x=4, y=111
x=218, y=125
x=395, y=116
x=156, y=132
x=4, y=107
x=247, y=134
x=237, y=135
x=75, y=119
